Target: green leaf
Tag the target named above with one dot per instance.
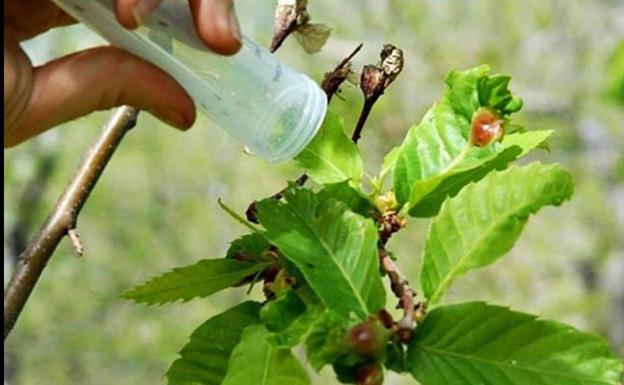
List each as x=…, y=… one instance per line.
x=204, y=359
x=485, y=219
x=299, y=329
x=389, y=163
x=334, y=248
x=325, y=344
x=332, y=157
x=354, y=198
x=289, y=319
x=615, y=74
x=249, y=247
x=441, y=140
x=396, y=357
x=428, y=194
x=256, y=361
x=480, y=344
x=202, y=279
x=281, y=312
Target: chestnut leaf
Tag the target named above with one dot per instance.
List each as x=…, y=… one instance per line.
x=427, y=195
x=482, y=223
x=204, y=359
x=332, y=157
x=476, y=343
x=201, y=279
x=442, y=139
x=334, y=248
x=257, y=361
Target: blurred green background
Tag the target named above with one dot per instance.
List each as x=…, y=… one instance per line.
x=156, y=205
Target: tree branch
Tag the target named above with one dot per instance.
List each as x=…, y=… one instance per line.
x=63, y=218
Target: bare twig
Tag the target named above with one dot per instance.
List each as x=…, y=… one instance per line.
x=62, y=220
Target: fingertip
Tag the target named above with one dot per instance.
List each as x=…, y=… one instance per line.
x=125, y=14
x=217, y=25
x=179, y=110
x=182, y=119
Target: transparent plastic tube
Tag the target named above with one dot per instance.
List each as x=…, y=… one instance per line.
x=274, y=110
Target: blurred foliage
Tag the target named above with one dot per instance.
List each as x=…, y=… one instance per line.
x=615, y=74
x=156, y=205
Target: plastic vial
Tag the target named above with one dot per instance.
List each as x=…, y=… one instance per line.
x=274, y=110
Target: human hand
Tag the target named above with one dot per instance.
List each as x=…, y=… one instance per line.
x=38, y=98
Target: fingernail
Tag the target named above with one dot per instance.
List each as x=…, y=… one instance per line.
x=143, y=8
x=234, y=25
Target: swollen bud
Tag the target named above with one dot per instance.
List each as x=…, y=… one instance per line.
x=486, y=127
x=376, y=78
x=372, y=81
x=370, y=374
x=367, y=339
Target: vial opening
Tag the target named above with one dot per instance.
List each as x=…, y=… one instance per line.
x=287, y=131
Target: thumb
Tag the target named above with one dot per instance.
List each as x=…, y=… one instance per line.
x=99, y=79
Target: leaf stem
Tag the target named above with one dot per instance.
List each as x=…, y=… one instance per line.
x=237, y=217
x=366, y=110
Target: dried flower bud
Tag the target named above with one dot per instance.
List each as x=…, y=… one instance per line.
x=292, y=16
x=334, y=79
x=486, y=127
x=289, y=14
x=391, y=62
x=372, y=81
x=376, y=78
